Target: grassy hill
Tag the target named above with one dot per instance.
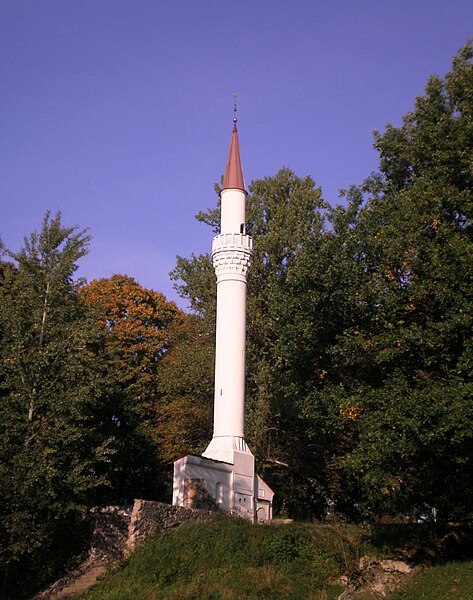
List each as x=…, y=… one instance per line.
x=232, y=559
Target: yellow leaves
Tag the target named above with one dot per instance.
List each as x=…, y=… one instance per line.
x=351, y=412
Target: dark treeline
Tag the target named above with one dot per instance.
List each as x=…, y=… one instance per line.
x=359, y=357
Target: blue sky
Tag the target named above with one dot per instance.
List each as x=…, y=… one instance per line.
x=119, y=112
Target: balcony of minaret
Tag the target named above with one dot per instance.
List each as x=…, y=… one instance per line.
x=231, y=255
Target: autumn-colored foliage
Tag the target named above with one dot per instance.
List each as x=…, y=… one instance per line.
x=134, y=322
x=133, y=327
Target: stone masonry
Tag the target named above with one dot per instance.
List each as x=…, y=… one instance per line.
x=149, y=518
x=117, y=531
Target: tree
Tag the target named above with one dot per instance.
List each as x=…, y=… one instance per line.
x=405, y=362
x=133, y=324
x=183, y=414
x=53, y=454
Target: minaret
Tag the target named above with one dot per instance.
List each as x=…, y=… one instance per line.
x=231, y=257
x=224, y=476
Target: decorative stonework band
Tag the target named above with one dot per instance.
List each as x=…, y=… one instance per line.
x=231, y=255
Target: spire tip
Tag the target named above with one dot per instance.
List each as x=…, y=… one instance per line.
x=235, y=107
x=233, y=178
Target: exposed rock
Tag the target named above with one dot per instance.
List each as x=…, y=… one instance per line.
x=376, y=577
x=110, y=534
x=396, y=566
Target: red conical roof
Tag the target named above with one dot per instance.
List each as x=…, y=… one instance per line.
x=233, y=177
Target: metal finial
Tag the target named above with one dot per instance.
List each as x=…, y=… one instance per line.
x=234, y=107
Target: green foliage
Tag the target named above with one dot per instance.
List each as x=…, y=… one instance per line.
x=52, y=453
x=402, y=364
x=184, y=410
x=199, y=287
x=231, y=558
x=412, y=448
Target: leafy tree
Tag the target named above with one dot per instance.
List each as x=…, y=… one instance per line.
x=53, y=454
x=133, y=324
x=404, y=361
x=183, y=414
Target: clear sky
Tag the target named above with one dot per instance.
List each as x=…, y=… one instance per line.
x=119, y=112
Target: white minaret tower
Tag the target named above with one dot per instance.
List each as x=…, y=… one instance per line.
x=224, y=476
x=231, y=256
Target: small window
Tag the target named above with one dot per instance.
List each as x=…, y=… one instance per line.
x=242, y=228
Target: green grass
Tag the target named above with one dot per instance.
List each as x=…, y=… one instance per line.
x=452, y=581
x=229, y=558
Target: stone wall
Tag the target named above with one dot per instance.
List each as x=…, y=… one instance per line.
x=149, y=518
x=111, y=525
x=117, y=531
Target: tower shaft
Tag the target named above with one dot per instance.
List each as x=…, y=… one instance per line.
x=231, y=254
